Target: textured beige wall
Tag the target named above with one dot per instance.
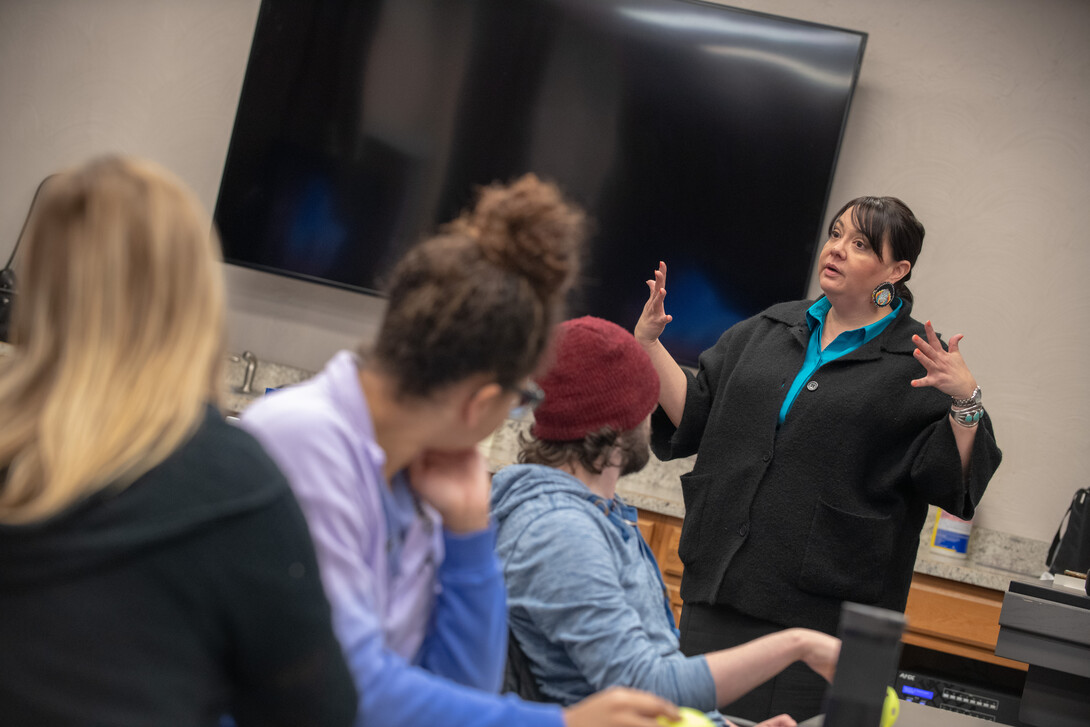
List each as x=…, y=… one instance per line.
x=976, y=112
x=157, y=78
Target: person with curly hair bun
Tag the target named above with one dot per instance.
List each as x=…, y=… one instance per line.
x=380, y=448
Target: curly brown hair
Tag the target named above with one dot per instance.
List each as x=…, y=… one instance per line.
x=592, y=451
x=484, y=294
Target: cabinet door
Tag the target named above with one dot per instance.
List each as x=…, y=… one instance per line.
x=674, y=591
x=672, y=569
x=663, y=533
x=955, y=618
x=668, y=560
x=647, y=530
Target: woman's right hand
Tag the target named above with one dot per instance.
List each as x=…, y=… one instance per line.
x=653, y=319
x=620, y=707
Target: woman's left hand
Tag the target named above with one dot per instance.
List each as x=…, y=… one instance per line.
x=946, y=369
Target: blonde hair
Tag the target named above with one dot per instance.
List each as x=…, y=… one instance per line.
x=118, y=335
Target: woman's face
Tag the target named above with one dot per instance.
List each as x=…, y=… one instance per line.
x=499, y=410
x=490, y=411
x=850, y=268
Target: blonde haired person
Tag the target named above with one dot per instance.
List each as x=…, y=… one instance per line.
x=154, y=566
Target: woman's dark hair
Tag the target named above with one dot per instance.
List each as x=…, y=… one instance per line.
x=881, y=218
x=484, y=294
x=592, y=451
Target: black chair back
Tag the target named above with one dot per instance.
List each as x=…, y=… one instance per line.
x=517, y=677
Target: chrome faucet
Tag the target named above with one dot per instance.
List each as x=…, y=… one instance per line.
x=251, y=368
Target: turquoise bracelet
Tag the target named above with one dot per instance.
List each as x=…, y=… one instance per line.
x=969, y=416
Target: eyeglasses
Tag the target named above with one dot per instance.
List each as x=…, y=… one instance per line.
x=530, y=396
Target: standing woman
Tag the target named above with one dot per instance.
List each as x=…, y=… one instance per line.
x=154, y=566
x=823, y=431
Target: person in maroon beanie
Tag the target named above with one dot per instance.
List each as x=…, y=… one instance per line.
x=587, y=604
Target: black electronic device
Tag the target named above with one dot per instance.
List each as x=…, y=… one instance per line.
x=1049, y=629
x=692, y=132
x=7, y=274
x=870, y=647
x=986, y=704
x=7, y=299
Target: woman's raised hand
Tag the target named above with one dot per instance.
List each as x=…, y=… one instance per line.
x=946, y=369
x=654, y=318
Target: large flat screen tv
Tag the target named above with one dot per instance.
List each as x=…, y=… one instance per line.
x=692, y=132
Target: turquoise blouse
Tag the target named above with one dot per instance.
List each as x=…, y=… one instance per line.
x=846, y=342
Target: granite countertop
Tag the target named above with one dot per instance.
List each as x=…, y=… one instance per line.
x=993, y=560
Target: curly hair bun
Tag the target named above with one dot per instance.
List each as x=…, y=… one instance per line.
x=484, y=294
x=529, y=228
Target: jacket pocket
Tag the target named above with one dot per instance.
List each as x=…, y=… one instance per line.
x=694, y=493
x=846, y=555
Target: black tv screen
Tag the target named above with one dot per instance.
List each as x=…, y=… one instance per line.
x=693, y=133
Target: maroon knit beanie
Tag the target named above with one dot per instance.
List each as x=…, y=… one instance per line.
x=600, y=377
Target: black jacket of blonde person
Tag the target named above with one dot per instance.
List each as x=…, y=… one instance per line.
x=784, y=523
x=190, y=594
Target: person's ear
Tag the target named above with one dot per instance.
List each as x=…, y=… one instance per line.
x=613, y=458
x=480, y=404
x=899, y=270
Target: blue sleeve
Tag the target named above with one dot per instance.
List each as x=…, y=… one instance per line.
x=467, y=641
x=571, y=592
x=393, y=693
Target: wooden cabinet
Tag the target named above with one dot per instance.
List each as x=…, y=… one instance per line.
x=647, y=529
x=944, y=615
x=955, y=618
x=662, y=533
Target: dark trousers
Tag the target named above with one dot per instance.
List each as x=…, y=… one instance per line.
x=797, y=690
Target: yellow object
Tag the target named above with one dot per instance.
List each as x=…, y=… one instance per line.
x=689, y=718
x=890, y=709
